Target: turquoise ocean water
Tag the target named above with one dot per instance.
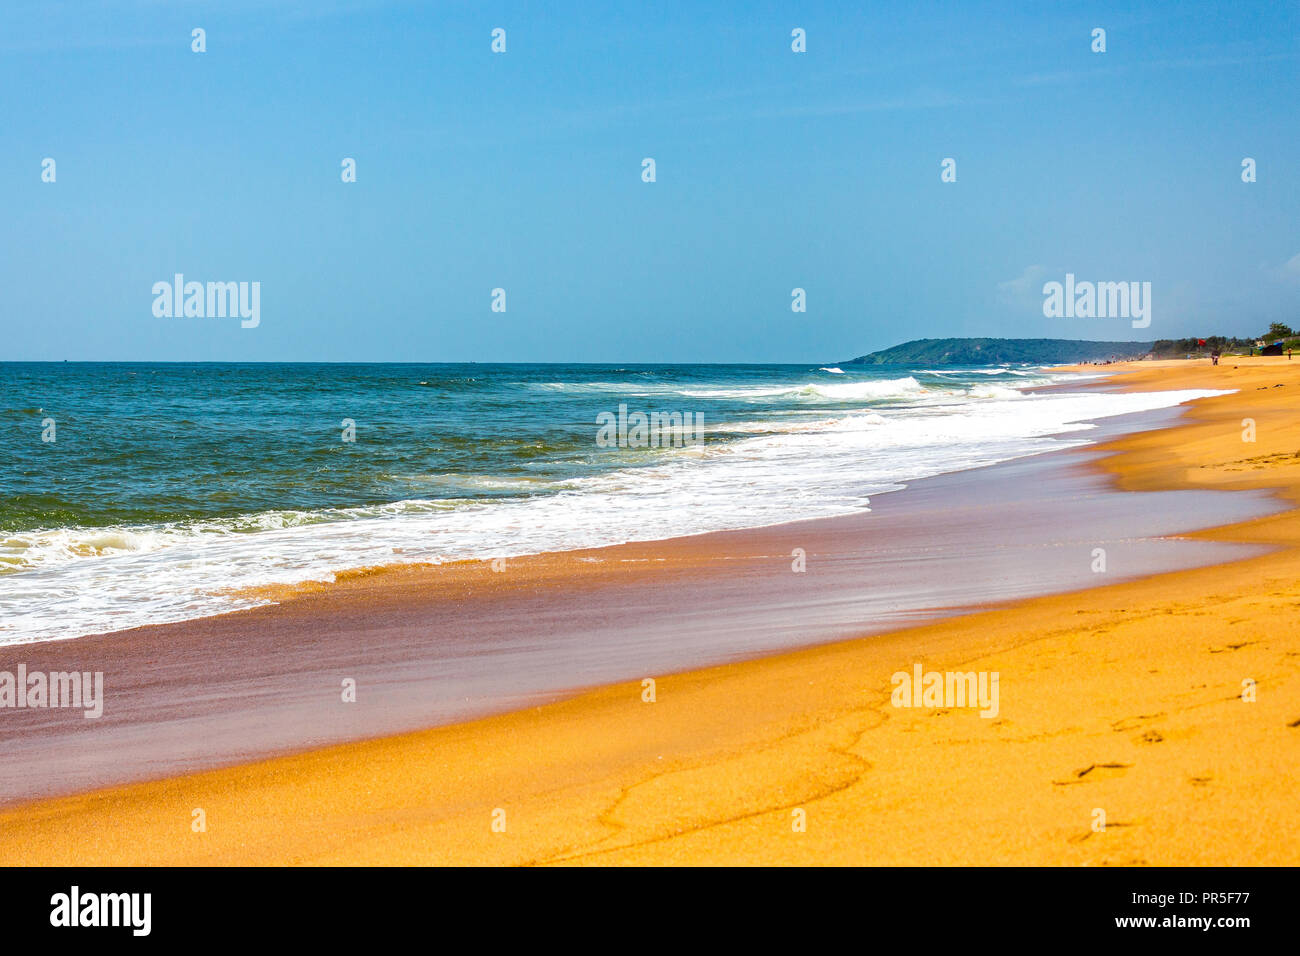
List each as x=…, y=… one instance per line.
x=138, y=493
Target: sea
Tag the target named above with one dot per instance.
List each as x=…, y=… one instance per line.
x=134, y=493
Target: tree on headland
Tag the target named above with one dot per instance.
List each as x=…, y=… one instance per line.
x=1278, y=331
x=1177, y=348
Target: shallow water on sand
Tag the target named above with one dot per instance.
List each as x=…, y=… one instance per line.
x=190, y=695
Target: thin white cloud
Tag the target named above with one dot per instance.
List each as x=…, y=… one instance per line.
x=1288, y=272
x=917, y=100
x=1024, y=291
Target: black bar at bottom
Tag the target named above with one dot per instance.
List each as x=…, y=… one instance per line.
x=935, y=905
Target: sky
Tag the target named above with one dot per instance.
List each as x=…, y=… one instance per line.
x=774, y=170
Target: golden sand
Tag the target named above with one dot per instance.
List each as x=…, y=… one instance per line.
x=1126, y=699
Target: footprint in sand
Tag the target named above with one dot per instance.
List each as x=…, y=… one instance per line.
x=1133, y=723
x=1231, y=647
x=1095, y=770
x=1110, y=825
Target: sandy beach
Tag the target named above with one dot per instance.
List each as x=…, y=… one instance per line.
x=1125, y=698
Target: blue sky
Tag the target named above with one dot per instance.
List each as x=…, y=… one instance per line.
x=522, y=170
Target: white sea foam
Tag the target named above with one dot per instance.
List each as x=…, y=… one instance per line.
x=976, y=371
x=820, y=391
x=994, y=391
x=82, y=581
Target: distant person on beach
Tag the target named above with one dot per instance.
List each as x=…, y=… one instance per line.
x=1214, y=357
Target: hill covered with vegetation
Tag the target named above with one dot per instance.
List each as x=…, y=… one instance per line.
x=996, y=351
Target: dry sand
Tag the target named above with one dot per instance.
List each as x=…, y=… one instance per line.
x=1126, y=699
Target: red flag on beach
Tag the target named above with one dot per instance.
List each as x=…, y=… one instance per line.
x=1200, y=341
